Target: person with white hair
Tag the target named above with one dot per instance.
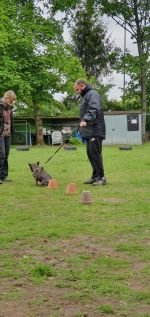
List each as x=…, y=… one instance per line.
x=6, y=130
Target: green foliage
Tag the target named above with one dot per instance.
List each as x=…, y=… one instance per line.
x=132, y=94
x=134, y=17
x=132, y=12
x=34, y=61
x=63, y=5
x=74, y=141
x=90, y=41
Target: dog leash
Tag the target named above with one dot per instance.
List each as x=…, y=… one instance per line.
x=76, y=130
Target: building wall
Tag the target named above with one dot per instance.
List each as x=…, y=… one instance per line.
x=121, y=128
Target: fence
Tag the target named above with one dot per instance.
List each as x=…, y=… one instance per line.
x=22, y=133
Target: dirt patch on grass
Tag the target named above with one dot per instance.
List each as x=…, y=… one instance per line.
x=114, y=200
x=46, y=301
x=59, y=297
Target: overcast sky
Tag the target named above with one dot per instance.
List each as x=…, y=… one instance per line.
x=117, y=35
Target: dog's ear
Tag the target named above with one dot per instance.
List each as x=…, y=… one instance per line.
x=30, y=165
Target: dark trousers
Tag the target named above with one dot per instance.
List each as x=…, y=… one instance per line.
x=5, y=142
x=94, y=153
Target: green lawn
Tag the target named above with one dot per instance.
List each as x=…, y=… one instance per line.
x=59, y=257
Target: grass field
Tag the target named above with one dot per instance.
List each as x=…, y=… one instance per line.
x=59, y=257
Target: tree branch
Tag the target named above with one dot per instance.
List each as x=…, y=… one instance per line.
x=133, y=33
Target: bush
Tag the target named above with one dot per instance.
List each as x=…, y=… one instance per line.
x=75, y=141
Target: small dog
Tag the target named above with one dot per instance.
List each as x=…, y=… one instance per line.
x=40, y=175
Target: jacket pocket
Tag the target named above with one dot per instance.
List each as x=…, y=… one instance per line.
x=86, y=132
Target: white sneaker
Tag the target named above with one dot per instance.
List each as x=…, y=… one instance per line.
x=101, y=182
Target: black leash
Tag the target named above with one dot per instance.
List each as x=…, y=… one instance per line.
x=60, y=147
x=53, y=154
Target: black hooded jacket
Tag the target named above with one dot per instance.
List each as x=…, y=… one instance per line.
x=2, y=104
x=92, y=113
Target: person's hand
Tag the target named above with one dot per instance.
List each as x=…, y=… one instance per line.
x=83, y=124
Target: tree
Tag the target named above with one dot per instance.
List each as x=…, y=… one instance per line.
x=35, y=61
x=132, y=91
x=9, y=78
x=133, y=15
x=91, y=42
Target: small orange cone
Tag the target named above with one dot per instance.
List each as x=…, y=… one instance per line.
x=53, y=183
x=86, y=197
x=71, y=188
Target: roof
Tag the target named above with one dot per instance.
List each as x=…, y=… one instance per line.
x=77, y=117
x=121, y=112
x=32, y=118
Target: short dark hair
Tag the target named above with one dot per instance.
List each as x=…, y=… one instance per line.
x=80, y=81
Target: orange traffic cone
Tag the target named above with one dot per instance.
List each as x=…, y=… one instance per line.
x=53, y=183
x=71, y=188
x=86, y=197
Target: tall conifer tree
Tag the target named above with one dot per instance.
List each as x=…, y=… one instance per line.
x=91, y=42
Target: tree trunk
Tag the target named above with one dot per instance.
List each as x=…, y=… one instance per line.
x=143, y=101
x=140, y=44
x=143, y=89
x=39, y=130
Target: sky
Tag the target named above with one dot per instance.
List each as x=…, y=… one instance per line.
x=117, y=36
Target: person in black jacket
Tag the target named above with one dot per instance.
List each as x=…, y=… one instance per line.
x=92, y=129
x=6, y=130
